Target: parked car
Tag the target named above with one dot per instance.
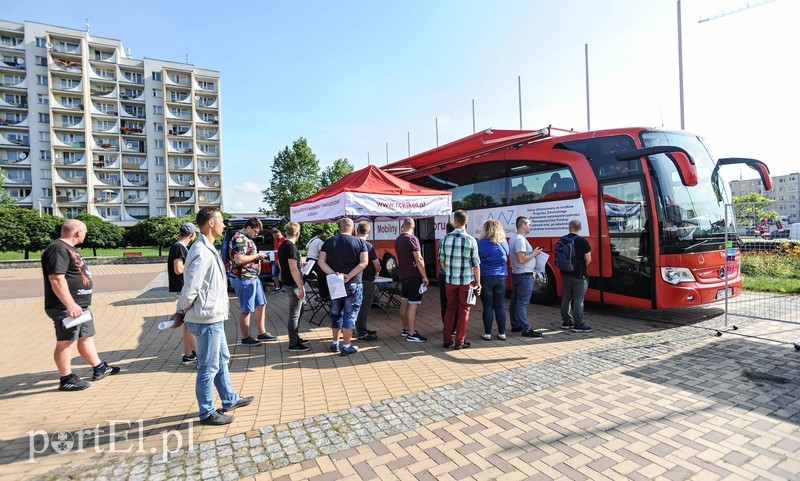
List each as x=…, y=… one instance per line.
x=263, y=242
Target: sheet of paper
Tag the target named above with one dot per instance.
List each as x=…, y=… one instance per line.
x=307, y=268
x=74, y=321
x=541, y=261
x=336, y=286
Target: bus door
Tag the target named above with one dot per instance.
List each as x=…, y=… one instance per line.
x=625, y=211
x=426, y=232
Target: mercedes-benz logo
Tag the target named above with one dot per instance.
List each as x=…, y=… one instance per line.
x=722, y=272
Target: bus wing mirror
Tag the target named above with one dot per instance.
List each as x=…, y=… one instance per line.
x=683, y=161
x=757, y=165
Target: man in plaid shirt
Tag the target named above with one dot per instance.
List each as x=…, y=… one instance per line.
x=458, y=253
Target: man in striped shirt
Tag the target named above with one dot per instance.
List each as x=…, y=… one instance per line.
x=458, y=254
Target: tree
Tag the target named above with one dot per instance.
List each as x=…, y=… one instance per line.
x=22, y=229
x=160, y=231
x=295, y=176
x=5, y=199
x=333, y=173
x=751, y=209
x=100, y=233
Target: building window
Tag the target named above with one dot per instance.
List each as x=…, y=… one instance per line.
x=41, y=80
x=44, y=136
x=157, y=76
x=41, y=42
x=159, y=144
x=41, y=61
x=158, y=126
x=161, y=177
x=46, y=174
x=158, y=110
x=159, y=160
x=47, y=192
x=44, y=155
x=44, y=118
x=161, y=210
x=161, y=194
x=157, y=93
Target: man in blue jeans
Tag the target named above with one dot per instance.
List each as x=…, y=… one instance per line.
x=345, y=255
x=575, y=283
x=203, y=305
x=522, y=265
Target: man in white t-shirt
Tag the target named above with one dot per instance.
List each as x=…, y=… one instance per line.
x=313, y=247
x=522, y=265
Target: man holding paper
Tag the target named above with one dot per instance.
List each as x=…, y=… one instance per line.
x=523, y=264
x=68, y=290
x=203, y=304
x=343, y=257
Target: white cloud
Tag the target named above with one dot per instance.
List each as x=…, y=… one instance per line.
x=249, y=188
x=238, y=207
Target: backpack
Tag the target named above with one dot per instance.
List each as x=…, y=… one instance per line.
x=565, y=254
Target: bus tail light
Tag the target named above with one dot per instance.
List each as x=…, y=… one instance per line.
x=676, y=275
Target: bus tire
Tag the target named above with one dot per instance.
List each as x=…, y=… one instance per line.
x=389, y=266
x=546, y=294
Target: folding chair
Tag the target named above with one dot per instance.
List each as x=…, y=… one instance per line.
x=389, y=294
x=315, y=303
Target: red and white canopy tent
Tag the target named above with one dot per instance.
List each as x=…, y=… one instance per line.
x=372, y=194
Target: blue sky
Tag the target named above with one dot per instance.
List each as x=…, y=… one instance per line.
x=352, y=76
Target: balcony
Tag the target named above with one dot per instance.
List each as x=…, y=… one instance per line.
x=24, y=180
x=210, y=182
x=70, y=161
x=209, y=167
x=135, y=182
x=16, y=63
x=75, y=180
x=22, y=159
x=15, y=43
x=132, y=98
x=108, y=197
x=107, y=180
x=125, y=130
x=66, y=66
x=136, y=199
x=177, y=81
x=105, y=164
x=14, y=124
x=11, y=139
x=103, y=109
x=133, y=114
x=181, y=166
x=181, y=200
x=103, y=92
x=20, y=103
x=210, y=200
x=132, y=165
x=65, y=49
x=79, y=144
x=108, y=147
x=15, y=84
x=71, y=199
x=180, y=132
x=77, y=107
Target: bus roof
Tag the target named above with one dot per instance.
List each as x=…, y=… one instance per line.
x=484, y=142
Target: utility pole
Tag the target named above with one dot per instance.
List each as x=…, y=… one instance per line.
x=680, y=64
x=519, y=89
x=588, y=114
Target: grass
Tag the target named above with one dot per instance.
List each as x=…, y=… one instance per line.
x=776, y=271
x=88, y=252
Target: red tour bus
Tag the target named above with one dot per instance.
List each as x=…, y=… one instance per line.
x=651, y=202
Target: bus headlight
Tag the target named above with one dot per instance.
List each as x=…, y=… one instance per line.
x=676, y=275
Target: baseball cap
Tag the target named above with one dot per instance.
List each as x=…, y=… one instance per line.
x=189, y=228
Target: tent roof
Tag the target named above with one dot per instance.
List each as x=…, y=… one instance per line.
x=371, y=180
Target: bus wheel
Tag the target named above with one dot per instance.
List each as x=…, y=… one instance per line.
x=544, y=288
x=389, y=266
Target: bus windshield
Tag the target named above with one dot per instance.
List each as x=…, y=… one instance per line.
x=690, y=219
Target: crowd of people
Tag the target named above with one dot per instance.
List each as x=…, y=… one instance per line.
x=468, y=269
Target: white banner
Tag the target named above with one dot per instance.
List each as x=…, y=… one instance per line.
x=319, y=211
x=380, y=205
x=548, y=219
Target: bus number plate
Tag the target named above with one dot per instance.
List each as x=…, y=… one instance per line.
x=723, y=293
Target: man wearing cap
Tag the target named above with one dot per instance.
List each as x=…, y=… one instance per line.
x=277, y=240
x=175, y=265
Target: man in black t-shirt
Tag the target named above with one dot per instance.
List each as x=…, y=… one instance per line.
x=345, y=255
x=68, y=290
x=175, y=265
x=575, y=283
x=368, y=282
x=292, y=280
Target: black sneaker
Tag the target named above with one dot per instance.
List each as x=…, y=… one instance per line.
x=190, y=359
x=371, y=332
x=250, y=342
x=242, y=402
x=217, y=419
x=107, y=371
x=582, y=328
x=463, y=345
x=566, y=325
x=73, y=383
x=367, y=337
x=267, y=337
x=404, y=333
x=531, y=333
x=416, y=337
x=299, y=348
x=300, y=340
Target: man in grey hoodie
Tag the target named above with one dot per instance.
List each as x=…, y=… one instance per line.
x=203, y=305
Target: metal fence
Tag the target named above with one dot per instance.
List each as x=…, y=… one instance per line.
x=769, y=259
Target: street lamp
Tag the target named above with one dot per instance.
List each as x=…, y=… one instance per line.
x=40, y=206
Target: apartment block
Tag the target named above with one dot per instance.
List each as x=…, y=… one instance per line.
x=84, y=127
x=785, y=192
